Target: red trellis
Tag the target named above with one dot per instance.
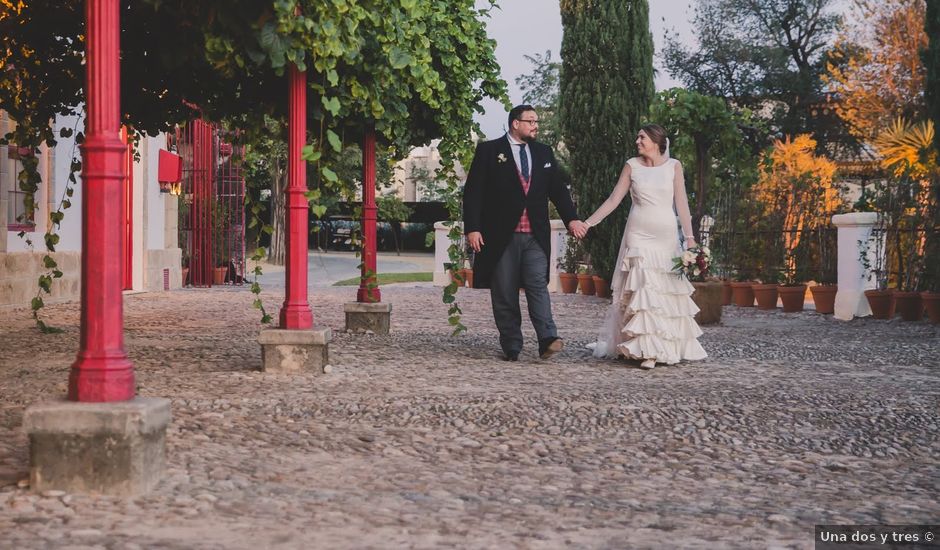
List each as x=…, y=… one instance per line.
x=212, y=224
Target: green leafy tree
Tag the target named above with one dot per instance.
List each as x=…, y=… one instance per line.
x=540, y=88
x=931, y=59
x=393, y=211
x=703, y=126
x=414, y=70
x=606, y=90
x=756, y=53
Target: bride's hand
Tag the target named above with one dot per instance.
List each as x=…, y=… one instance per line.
x=689, y=243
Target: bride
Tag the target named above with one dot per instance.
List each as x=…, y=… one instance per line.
x=651, y=317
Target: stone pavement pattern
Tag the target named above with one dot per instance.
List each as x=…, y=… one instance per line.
x=419, y=440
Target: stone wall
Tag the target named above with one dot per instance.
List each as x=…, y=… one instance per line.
x=156, y=262
x=19, y=272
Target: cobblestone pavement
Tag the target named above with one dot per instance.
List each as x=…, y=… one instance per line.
x=419, y=440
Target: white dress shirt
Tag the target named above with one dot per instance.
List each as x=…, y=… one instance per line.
x=514, y=145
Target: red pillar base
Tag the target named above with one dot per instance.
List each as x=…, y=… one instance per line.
x=102, y=379
x=368, y=295
x=296, y=316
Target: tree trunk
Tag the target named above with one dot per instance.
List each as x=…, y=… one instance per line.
x=278, y=221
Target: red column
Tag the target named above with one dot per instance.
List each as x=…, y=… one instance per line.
x=102, y=371
x=296, y=312
x=366, y=294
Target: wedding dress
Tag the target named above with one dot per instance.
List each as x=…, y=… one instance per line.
x=651, y=316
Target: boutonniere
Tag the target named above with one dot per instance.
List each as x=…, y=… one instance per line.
x=501, y=158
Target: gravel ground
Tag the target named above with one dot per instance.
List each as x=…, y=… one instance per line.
x=420, y=440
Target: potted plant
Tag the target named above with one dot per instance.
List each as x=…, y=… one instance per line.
x=792, y=291
x=908, y=200
x=930, y=278
x=824, y=291
x=695, y=265
x=568, y=264
x=765, y=290
x=586, y=280
x=601, y=286
x=742, y=289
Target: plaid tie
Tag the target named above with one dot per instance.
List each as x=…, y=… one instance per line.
x=524, y=161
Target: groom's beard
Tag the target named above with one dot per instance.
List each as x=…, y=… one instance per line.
x=528, y=139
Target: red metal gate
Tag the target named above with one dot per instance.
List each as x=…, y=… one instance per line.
x=212, y=213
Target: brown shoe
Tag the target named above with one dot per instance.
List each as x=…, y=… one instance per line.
x=550, y=346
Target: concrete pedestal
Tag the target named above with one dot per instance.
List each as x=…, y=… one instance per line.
x=856, y=239
x=361, y=317
x=116, y=448
x=294, y=351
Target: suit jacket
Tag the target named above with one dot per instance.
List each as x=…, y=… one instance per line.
x=493, y=200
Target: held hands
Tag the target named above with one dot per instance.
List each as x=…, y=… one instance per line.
x=475, y=240
x=578, y=228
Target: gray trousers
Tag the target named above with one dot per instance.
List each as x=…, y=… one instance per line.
x=523, y=265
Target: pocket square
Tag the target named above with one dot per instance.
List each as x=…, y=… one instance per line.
x=547, y=165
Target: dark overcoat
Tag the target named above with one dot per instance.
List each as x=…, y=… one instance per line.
x=493, y=200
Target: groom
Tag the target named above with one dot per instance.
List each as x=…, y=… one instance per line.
x=505, y=213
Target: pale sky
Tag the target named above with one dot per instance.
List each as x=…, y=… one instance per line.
x=527, y=27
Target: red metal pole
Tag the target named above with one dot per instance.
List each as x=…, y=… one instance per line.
x=102, y=371
x=296, y=312
x=365, y=293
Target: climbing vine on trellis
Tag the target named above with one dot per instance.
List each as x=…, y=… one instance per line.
x=417, y=70
x=28, y=181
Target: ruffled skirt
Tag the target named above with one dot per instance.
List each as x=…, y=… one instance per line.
x=652, y=313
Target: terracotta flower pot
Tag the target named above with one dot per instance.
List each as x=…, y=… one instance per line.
x=766, y=296
x=468, y=277
x=931, y=302
x=601, y=287
x=184, y=276
x=726, y=293
x=792, y=297
x=881, y=303
x=459, y=281
x=909, y=305
x=586, y=284
x=218, y=275
x=824, y=297
x=708, y=296
x=742, y=294
x=568, y=282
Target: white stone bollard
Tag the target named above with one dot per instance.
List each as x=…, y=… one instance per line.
x=853, y=278
x=558, y=246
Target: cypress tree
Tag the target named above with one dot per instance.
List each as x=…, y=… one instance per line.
x=606, y=91
x=931, y=59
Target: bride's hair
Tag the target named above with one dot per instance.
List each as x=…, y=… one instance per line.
x=657, y=135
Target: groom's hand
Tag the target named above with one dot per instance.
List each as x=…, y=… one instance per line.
x=578, y=228
x=475, y=240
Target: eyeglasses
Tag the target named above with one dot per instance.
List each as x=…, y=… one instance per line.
x=532, y=122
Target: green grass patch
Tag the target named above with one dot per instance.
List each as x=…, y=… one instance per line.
x=390, y=278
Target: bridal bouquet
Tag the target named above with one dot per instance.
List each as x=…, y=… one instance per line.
x=693, y=264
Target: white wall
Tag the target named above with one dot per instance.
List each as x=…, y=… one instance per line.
x=70, y=232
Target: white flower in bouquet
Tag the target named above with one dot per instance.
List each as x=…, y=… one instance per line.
x=707, y=252
x=688, y=257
